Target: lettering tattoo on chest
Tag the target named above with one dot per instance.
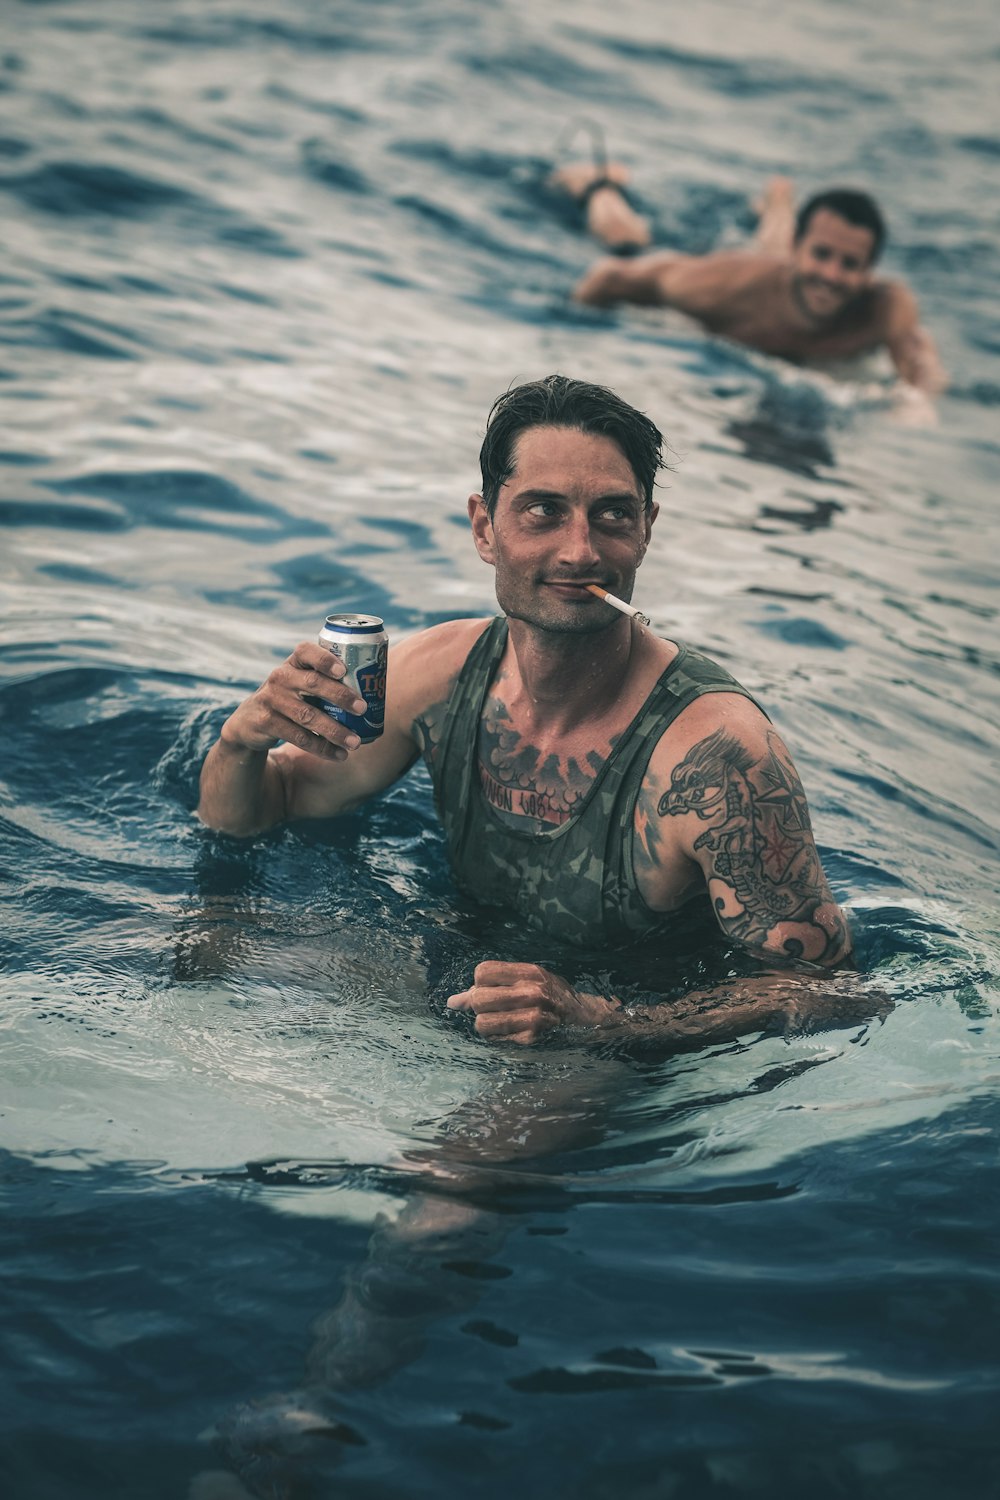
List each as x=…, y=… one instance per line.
x=520, y=780
x=520, y=801
x=764, y=875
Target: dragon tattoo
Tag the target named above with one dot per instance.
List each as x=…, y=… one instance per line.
x=764, y=870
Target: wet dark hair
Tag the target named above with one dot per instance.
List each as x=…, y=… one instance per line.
x=558, y=401
x=859, y=209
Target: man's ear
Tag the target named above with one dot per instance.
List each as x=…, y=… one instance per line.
x=482, y=528
x=651, y=515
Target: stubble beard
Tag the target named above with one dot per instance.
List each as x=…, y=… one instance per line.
x=800, y=285
x=526, y=603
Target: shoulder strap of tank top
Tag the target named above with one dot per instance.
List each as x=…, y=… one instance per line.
x=454, y=761
x=691, y=675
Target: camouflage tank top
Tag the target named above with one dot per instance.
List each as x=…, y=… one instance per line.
x=576, y=882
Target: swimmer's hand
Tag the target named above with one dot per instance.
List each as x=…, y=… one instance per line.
x=910, y=406
x=521, y=1002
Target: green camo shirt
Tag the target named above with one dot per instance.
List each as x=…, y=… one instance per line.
x=575, y=882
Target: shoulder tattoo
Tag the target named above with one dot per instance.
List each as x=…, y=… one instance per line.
x=764, y=876
x=427, y=729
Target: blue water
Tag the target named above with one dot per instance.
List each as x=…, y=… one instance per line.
x=265, y=269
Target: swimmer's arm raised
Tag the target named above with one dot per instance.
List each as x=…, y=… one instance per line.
x=316, y=771
x=280, y=758
x=243, y=789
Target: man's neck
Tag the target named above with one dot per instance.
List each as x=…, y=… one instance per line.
x=559, y=681
x=797, y=315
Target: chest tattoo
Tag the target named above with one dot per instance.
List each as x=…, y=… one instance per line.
x=521, y=780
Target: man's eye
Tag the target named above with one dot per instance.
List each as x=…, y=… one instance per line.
x=541, y=508
x=850, y=264
x=616, y=513
x=821, y=253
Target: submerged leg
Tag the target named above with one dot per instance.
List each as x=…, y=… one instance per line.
x=428, y=1264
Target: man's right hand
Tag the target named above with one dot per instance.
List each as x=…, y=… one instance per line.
x=247, y=786
x=279, y=709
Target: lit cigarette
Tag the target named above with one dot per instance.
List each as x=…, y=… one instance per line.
x=616, y=603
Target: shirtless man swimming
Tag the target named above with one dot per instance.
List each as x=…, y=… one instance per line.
x=590, y=776
x=804, y=289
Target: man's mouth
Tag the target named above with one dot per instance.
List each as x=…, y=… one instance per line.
x=826, y=291
x=819, y=299
x=574, y=585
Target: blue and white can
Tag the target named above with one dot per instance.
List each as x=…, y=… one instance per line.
x=363, y=646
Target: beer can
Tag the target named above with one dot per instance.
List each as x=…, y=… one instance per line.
x=362, y=645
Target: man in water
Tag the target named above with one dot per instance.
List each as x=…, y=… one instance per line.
x=588, y=774
x=804, y=289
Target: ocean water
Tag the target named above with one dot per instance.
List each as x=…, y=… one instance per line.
x=265, y=269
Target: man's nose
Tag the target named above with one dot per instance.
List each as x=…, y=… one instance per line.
x=577, y=543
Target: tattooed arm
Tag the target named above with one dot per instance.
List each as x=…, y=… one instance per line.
x=722, y=809
x=521, y=1002
x=723, y=795
x=731, y=802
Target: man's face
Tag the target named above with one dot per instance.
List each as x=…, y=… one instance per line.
x=832, y=265
x=570, y=514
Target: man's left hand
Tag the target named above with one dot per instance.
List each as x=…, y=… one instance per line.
x=521, y=1002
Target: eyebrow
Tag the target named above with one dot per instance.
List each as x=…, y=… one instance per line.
x=616, y=496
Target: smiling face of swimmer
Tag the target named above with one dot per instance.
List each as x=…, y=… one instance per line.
x=832, y=264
